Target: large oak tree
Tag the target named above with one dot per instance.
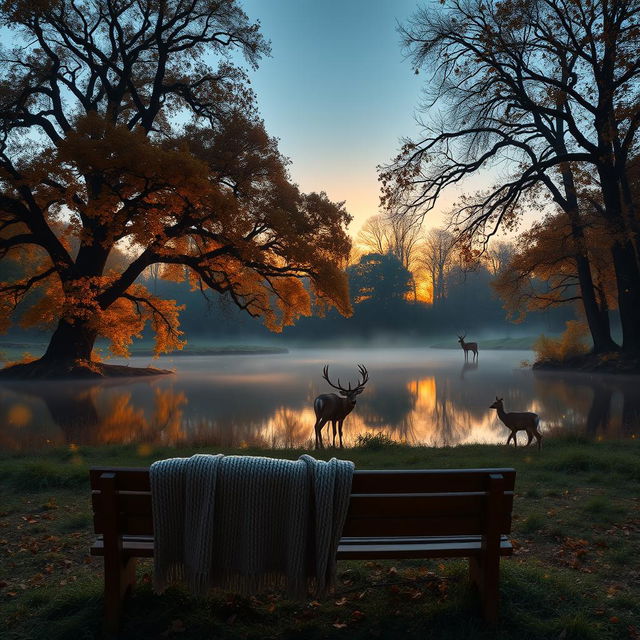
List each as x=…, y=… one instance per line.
x=125, y=126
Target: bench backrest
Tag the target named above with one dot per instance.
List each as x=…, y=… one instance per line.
x=436, y=502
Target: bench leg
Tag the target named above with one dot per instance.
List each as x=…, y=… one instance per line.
x=484, y=572
x=118, y=581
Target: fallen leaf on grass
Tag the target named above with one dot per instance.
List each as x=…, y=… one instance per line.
x=341, y=602
x=339, y=625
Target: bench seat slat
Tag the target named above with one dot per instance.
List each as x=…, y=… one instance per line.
x=426, y=549
x=132, y=546
x=350, y=540
x=354, y=548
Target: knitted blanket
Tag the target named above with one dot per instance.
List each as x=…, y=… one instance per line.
x=248, y=524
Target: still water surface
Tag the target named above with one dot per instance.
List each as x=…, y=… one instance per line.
x=417, y=395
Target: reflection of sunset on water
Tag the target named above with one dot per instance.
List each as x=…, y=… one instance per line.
x=19, y=415
x=418, y=396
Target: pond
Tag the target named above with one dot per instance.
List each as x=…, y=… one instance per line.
x=418, y=395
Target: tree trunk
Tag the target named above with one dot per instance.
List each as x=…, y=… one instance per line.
x=70, y=342
x=628, y=284
x=597, y=320
x=624, y=251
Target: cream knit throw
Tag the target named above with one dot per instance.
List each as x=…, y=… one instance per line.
x=247, y=524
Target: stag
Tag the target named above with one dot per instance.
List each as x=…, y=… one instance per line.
x=468, y=346
x=330, y=407
x=522, y=421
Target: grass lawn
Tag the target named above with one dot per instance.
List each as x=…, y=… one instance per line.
x=575, y=572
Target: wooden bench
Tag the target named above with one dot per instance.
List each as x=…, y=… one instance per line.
x=392, y=514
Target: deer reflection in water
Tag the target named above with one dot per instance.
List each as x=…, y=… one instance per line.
x=468, y=366
x=438, y=406
x=330, y=407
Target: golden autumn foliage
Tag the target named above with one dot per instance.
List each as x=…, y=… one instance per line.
x=573, y=342
x=169, y=165
x=542, y=271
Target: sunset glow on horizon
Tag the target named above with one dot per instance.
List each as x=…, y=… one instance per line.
x=321, y=93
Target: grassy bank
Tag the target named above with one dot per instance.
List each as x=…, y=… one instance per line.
x=575, y=573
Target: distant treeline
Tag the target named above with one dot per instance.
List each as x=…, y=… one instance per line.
x=383, y=309
x=383, y=304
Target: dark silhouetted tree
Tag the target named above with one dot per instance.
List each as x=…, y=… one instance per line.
x=546, y=87
x=379, y=278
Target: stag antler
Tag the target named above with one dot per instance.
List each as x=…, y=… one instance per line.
x=365, y=375
x=363, y=372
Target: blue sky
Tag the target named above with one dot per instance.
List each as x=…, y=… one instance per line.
x=336, y=92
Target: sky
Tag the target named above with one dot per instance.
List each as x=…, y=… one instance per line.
x=337, y=92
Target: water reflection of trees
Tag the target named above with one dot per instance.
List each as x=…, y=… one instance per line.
x=95, y=414
x=598, y=406
x=452, y=422
x=417, y=404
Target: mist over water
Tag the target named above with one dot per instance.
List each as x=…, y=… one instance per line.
x=414, y=395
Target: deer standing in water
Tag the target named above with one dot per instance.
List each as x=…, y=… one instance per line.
x=468, y=346
x=330, y=407
x=523, y=421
